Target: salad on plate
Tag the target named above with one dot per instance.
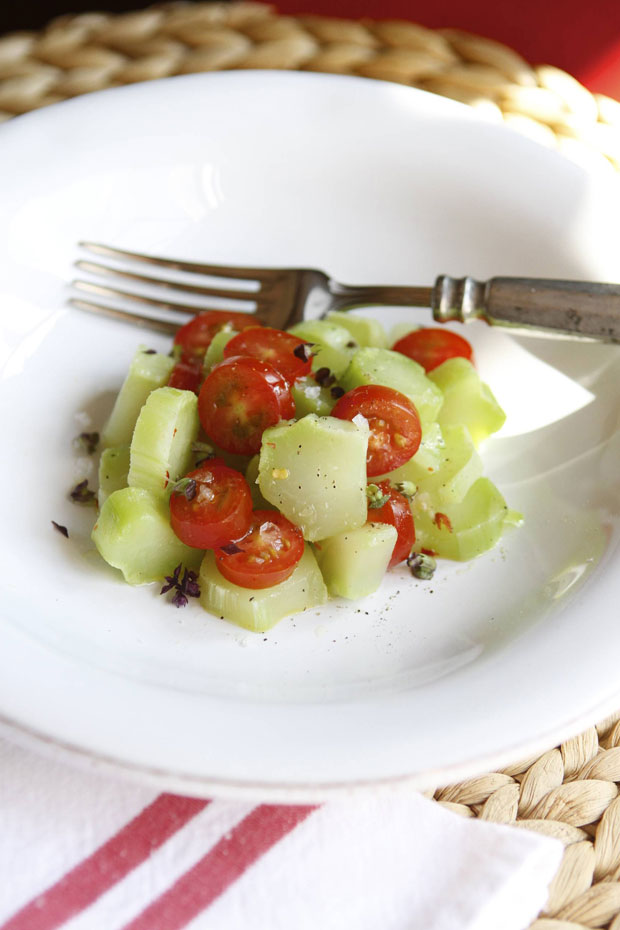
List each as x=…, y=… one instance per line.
x=262, y=471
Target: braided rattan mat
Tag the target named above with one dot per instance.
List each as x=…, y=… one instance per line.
x=571, y=791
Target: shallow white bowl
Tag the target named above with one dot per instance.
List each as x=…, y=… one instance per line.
x=421, y=683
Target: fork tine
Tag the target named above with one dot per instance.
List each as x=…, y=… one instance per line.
x=217, y=271
x=161, y=326
x=114, y=292
x=103, y=270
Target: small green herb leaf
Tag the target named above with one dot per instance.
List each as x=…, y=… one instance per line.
x=406, y=488
x=375, y=496
x=421, y=566
x=186, y=486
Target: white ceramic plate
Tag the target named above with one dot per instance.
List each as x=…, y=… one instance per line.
x=374, y=183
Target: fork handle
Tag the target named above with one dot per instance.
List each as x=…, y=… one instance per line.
x=576, y=308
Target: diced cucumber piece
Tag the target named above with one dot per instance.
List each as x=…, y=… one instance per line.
x=251, y=476
x=215, y=350
x=395, y=370
x=133, y=533
x=333, y=344
x=147, y=371
x=161, y=448
x=232, y=459
x=467, y=400
x=399, y=330
x=365, y=330
x=429, y=455
x=260, y=609
x=461, y=465
x=425, y=462
x=310, y=397
x=513, y=518
x=113, y=470
x=463, y=530
x=314, y=471
x=353, y=563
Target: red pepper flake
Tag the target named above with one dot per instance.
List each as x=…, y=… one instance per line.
x=442, y=520
x=430, y=552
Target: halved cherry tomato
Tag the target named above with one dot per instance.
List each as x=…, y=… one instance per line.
x=216, y=510
x=267, y=555
x=196, y=335
x=432, y=346
x=239, y=399
x=284, y=351
x=187, y=373
x=395, y=430
x=397, y=513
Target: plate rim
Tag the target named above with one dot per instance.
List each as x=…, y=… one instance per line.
x=414, y=780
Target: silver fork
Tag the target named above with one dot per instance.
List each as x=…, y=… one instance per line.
x=280, y=297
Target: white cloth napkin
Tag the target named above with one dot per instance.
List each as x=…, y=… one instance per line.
x=81, y=851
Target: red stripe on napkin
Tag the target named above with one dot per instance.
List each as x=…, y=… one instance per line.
x=226, y=862
x=108, y=864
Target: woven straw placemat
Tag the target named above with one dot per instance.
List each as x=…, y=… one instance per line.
x=571, y=791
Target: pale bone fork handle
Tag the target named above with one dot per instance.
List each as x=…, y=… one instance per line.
x=285, y=296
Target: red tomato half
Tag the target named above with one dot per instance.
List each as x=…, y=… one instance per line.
x=395, y=430
x=196, y=335
x=239, y=399
x=219, y=510
x=430, y=347
x=187, y=373
x=397, y=513
x=275, y=347
x=267, y=555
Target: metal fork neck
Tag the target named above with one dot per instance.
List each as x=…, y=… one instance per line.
x=458, y=299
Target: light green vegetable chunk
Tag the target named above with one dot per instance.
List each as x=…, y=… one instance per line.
x=467, y=400
x=314, y=471
x=310, y=397
x=365, y=330
x=215, y=350
x=251, y=476
x=461, y=465
x=395, y=370
x=426, y=460
x=113, y=470
x=133, y=533
x=448, y=473
x=354, y=563
x=161, y=448
x=399, y=330
x=260, y=609
x=332, y=344
x=461, y=531
x=147, y=371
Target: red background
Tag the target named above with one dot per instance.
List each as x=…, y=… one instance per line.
x=583, y=38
